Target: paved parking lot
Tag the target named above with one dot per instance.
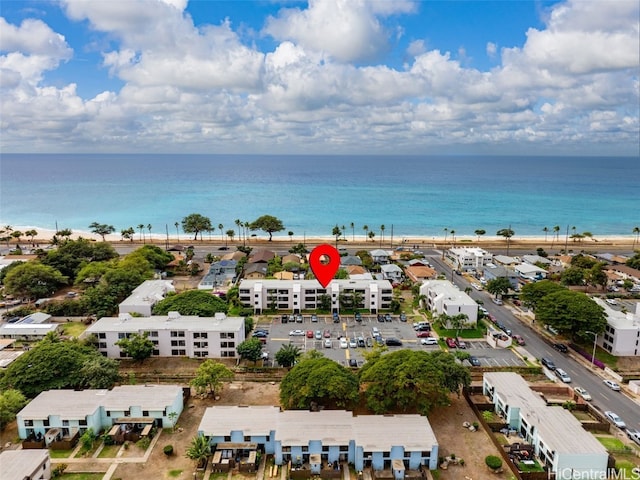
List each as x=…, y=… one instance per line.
x=279, y=334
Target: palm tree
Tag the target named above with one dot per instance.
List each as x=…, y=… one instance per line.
x=372, y=234
x=141, y=228
x=546, y=231
x=446, y=230
x=220, y=227
x=353, y=232
x=366, y=229
x=290, y=233
x=506, y=233
x=636, y=230
x=230, y=234
x=149, y=226
x=453, y=237
x=381, y=234
x=479, y=233
x=573, y=235
x=556, y=230
x=177, y=224
x=336, y=232
x=199, y=450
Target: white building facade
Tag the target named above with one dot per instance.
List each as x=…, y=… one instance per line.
x=298, y=295
x=22, y=464
x=145, y=296
x=173, y=335
x=469, y=258
x=621, y=336
x=443, y=297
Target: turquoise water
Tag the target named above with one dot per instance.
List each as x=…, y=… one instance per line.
x=310, y=194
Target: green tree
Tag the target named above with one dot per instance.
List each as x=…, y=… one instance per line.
x=572, y=276
x=267, y=223
x=210, y=376
x=408, y=380
x=127, y=233
x=199, y=450
x=98, y=373
x=17, y=234
x=636, y=231
x=353, y=231
x=101, y=229
x=324, y=302
x=136, y=346
x=288, y=355
x=507, y=233
x=72, y=255
x=230, y=234
x=571, y=312
x=583, y=261
x=479, y=233
x=11, y=402
x=300, y=249
x=498, y=286
x=191, y=302
x=250, y=349
x=336, y=232
x=156, y=256
x=556, y=231
x=634, y=262
x=533, y=292
x=31, y=234
x=366, y=229
x=319, y=380
x=33, y=280
x=196, y=224
x=4, y=271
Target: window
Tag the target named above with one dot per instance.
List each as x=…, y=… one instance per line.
x=83, y=422
x=102, y=344
x=227, y=344
x=45, y=422
x=200, y=335
x=201, y=354
x=65, y=423
x=102, y=336
x=229, y=353
x=145, y=413
x=178, y=352
x=344, y=448
x=175, y=334
x=227, y=438
x=28, y=423
x=177, y=343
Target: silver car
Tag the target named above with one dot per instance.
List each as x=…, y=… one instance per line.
x=615, y=419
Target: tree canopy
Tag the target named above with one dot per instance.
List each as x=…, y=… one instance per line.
x=54, y=364
x=267, y=223
x=72, y=255
x=250, y=349
x=33, y=280
x=571, y=312
x=533, y=292
x=101, y=229
x=210, y=376
x=317, y=379
x=191, y=302
x=11, y=402
x=634, y=262
x=139, y=347
x=288, y=355
x=196, y=223
x=498, y=286
x=409, y=380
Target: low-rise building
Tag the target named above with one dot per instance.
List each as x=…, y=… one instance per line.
x=56, y=414
x=621, y=335
x=380, y=256
x=491, y=272
x=27, y=332
x=298, y=295
x=145, y=296
x=220, y=273
x=25, y=464
x=173, y=335
x=419, y=273
x=391, y=272
x=468, y=258
x=557, y=437
x=314, y=439
x=443, y=297
x=530, y=272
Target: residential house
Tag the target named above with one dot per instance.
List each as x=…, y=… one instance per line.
x=557, y=437
x=255, y=270
x=468, y=258
x=145, y=296
x=627, y=273
x=505, y=261
x=445, y=298
x=315, y=440
x=57, y=414
x=291, y=258
x=380, y=256
x=25, y=464
x=261, y=256
x=536, y=260
x=419, y=273
x=530, y=272
x=491, y=272
x=220, y=273
x=173, y=335
x=27, y=332
x=298, y=295
x=621, y=335
x=350, y=260
x=36, y=317
x=391, y=272
x=237, y=256
x=284, y=275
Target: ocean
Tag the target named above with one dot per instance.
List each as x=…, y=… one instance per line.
x=414, y=196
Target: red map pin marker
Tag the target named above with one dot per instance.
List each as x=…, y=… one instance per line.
x=324, y=271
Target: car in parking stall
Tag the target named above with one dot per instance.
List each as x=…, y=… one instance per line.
x=314, y=318
x=358, y=317
x=296, y=333
x=360, y=342
x=352, y=342
x=393, y=342
x=428, y=341
x=451, y=343
x=309, y=333
x=336, y=317
x=327, y=343
x=318, y=335
x=299, y=318
x=344, y=343
x=460, y=343
x=284, y=318
x=353, y=363
x=474, y=361
x=423, y=334
x=403, y=317
x=380, y=318
x=387, y=317
x=326, y=334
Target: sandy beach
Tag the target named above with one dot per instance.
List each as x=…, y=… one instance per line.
x=595, y=243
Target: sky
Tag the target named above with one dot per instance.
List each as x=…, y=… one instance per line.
x=320, y=77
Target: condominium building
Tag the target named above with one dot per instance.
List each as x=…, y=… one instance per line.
x=145, y=296
x=445, y=298
x=622, y=333
x=558, y=439
x=173, y=335
x=23, y=464
x=468, y=258
x=298, y=295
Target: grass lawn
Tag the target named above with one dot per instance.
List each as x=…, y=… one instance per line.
x=175, y=473
x=73, y=329
x=612, y=444
x=582, y=416
x=477, y=332
x=60, y=453
x=109, y=451
x=536, y=467
x=629, y=467
x=81, y=476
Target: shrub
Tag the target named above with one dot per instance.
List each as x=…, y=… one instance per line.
x=475, y=425
x=59, y=470
x=487, y=415
x=168, y=450
x=493, y=462
x=143, y=443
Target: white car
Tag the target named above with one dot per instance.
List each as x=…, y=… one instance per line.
x=477, y=286
x=611, y=301
x=562, y=375
x=296, y=333
x=615, y=419
x=327, y=343
x=612, y=385
x=344, y=343
x=353, y=343
x=428, y=341
x=634, y=435
x=583, y=393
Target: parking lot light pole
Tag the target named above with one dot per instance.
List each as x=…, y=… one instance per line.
x=595, y=340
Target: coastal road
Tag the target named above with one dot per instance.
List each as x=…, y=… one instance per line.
x=603, y=397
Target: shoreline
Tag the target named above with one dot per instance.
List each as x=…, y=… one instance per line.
x=617, y=241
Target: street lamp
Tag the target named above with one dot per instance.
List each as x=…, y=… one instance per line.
x=595, y=340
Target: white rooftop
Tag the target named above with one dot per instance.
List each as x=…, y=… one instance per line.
x=311, y=284
x=381, y=432
x=21, y=464
x=173, y=321
x=448, y=290
x=149, y=292
x=254, y=420
x=27, y=328
x=298, y=427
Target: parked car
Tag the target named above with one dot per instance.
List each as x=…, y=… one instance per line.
x=615, y=419
x=612, y=385
x=483, y=310
x=361, y=342
x=423, y=328
x=327, y=343
x=387, y=317
x=562, y=375
x=336, y=318
x=423, y=334
x=353, y=343
x=299, y=319
x=296, y=333
x=344, y=343
x=517, y=303
x=309, y=333
x=353, y=363
x=327, y=334
x=260, y=334
x=477, y=286
x=518, y=339
x=318, y=335
x=428, y=341
x=380, y=318
x=284, y=318
x=497, y=301
x=460, y=343
x=547, y=362
x=611, y=301
x=474, y=361
x=634, y=435
x=379, y=340
x=403, y=317
x=358, y=317
x=451, y=343
x=314, y=318
x=375, y=331
x=583, y=393
x=561, y=347
x=393, y=342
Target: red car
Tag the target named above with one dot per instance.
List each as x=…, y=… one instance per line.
x=451, y=343
x=518, y=339
x=492, y=318
x=309, y=333
x=423, y=334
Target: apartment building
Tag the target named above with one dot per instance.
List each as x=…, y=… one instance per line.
x=468, y=258
x=621, y=335
x=443, y=297
x=25, y=464
x=298, y=295
x=145, y=296
x=173, y=335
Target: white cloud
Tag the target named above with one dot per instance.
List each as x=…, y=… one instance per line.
x=492, y=49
